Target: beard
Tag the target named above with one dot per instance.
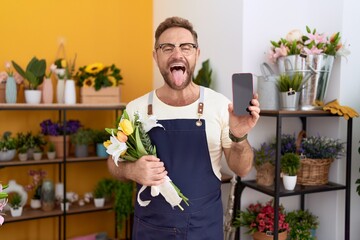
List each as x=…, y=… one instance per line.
x=168, y=77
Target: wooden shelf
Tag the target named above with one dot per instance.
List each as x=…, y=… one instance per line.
x=58, y=106
x=32, y=214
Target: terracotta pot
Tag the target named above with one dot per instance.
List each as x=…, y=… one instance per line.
x=59, y=145
x=264, y=236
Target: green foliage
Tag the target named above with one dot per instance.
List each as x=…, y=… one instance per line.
x=7, y=142
x=84, y=136
x=104, y=188
x=100, y=136
x=28, y=140
x=51, y=147
x=203, y=78
x=15, y=200
x=286, y=82
x=266, y=153
x=34, y=73
x=301, y=222
x=290, y=163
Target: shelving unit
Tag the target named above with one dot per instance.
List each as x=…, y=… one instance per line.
x=277, y=190
x=30, y=214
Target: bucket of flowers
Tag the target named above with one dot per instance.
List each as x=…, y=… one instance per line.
x=259, y=219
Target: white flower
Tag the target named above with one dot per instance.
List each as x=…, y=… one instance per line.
x=115, y=149
x=294, y=35
x=149, y=123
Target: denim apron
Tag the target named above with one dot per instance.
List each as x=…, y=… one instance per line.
x=182, y=146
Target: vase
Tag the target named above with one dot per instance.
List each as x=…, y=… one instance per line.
x=59, y=191
x=69, y=92
x=11, y=90
x=47, y=91
x=47, y=195
x=316, y=69
x=59, y=145
x=33, y=96
x=265, y=236
x=60, y=87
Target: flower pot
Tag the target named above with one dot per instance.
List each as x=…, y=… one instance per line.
x=99, y=202
x=7, y=155
x=289, y=182
x=37, y=156
x=35, y=203
x=264, y=236
x=81, y=150
x=101, y=150
x=317, y=68
x=51, y=155
x=59, y=145
x=265, y=174
x=23, y=156
x=289, y=101
x=65, y=206
x=16, y=212
x=32, y=96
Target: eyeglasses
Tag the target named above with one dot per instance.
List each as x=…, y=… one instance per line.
x=185, y=48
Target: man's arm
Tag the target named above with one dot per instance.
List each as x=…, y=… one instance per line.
x=147, y=170
x=239, y=157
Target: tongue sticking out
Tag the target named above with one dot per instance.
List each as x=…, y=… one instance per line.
x=178, y=75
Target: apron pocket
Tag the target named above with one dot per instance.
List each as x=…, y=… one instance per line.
x=146, y=231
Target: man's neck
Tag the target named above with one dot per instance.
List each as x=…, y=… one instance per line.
x=182, y=97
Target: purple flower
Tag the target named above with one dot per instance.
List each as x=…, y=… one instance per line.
x=55, y=129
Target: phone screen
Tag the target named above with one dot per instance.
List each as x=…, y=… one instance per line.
x=242, y=92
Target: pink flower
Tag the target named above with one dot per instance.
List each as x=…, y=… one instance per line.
x=313, y=50
x=3, y=77
x=317, y=38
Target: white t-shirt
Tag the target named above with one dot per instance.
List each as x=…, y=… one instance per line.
x=215, y=114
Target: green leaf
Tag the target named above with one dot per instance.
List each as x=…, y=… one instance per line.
x=110, y=130
x=140, y=147
x=19, y=69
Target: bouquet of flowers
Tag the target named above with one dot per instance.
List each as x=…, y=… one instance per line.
x=129, y=142
x=260, y=218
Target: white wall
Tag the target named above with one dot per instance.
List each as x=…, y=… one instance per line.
x=235, y=36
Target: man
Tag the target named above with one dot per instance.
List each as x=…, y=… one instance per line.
x=199, y=125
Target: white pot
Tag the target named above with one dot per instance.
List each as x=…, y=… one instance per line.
x=99, y=202
x=37, y=155
x=67, y=205
x=16, y=212
x=35, y=203
x=23, y=156
x=33, y=96
x=289, y=182
x=51, y=155
x=7, y=155
x=70, y=92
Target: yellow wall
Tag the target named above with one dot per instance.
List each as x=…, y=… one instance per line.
x=108, y=31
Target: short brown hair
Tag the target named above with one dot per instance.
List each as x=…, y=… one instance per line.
x=175, y=22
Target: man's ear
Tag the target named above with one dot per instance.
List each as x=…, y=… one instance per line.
x=155, y=57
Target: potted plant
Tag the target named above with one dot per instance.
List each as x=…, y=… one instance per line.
x=51, y=154
x=8, y=146
x=289, y=87
x=259, y=219
x=99, y=193
x=302, y=224
x=318, y=153
x=34, y=74
x=15, y=204
x=100, y=136
x=264, y=159
x=82, y=139
x=22, y=153
x=37, y=153
x=290, y=164
x=35, y=187
x=203, y=78
x=57, y=131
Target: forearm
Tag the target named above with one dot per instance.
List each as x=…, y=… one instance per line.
x=240, y=158
x=120, y=172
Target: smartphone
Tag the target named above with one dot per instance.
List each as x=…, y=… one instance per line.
x=242, y=84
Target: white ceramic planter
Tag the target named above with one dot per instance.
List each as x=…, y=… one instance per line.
x=37, y=156
x=289, y=182
x=99, y=202
x=7, y=155
x=16, y=212
x=33, y=96
x=51, y=155
x=35, y=203
x=23, y=156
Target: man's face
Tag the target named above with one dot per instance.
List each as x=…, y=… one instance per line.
x=177, y=64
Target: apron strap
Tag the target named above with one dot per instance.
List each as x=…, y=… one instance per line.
x=200, y=104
